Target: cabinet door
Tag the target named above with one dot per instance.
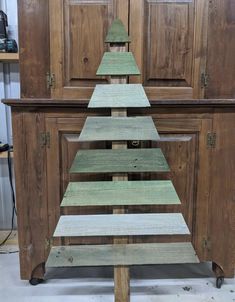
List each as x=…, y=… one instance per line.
x=77, y=32
x=169, y=41
x=184, y=143
x=64, y=132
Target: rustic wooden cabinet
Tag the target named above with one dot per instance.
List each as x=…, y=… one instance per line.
x=195, y=137
x=177, y=45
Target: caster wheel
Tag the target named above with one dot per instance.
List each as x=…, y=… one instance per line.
x=35, y=281
x=219, y=282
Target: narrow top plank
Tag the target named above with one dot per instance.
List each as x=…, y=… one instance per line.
x=105, y=193
x=118, y=64
x=122, y=254
x=119, y=161
x=117, y=33
x=119, y=96
x=121, y=225
x=118, y=129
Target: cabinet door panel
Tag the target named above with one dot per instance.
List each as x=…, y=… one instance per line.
x=169, y=44
x=77, y=33
x=169, y=32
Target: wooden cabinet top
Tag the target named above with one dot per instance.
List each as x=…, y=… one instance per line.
x=84, y=103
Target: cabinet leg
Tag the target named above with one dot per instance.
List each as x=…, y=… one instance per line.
x=219, y=274
x=37, y=273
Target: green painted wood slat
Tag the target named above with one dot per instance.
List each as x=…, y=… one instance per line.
x=119, y=161
x=119, y=96
x=122, y=254
x=112, y=193
x=117, y=33
x=121, y=225
x=119, y=129
x=118, y=63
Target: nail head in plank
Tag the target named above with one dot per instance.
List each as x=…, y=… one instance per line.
x=122, y=254
x=117, y=33
x=121, y=225
x=119, y=161
x=118, y=63
x=113, y=193
x=119, y=96
x=118, y=129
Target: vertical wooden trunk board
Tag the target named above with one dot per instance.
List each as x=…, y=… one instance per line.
x=121, y=273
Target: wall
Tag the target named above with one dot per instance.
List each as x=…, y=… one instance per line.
x=9, y=88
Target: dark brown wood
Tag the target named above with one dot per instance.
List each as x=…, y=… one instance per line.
x=34, y=47
x=191, y=103
x=221, y=49
x=203, y=176
x=222, y=196
x=215, y=17
x=30, y=174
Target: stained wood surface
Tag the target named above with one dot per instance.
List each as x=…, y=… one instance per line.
x=118, y=129
x=34, y=48
x=120, y=193
x=118, y=63
x=118, y=96
x=121, y=225
x=118, y=161
x=121, y=254
x=117, y=33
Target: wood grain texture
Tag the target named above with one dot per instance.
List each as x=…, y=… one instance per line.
x=119, y=161
x=221, y=49
x=118, y=64
x=169, y=50
x=120, y=193
x=77, y=32
x=117, y=33
x=34, y=47
x=169, y=43
x=30, y=178
x=121, y=225
x=120, y=254
x=118, y=96
x=222, y=220
x=118, y=129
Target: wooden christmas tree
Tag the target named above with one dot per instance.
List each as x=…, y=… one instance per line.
x=120, y=193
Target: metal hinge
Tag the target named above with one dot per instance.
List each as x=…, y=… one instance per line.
x=50, y=80
x=48, y=243
x=45, y=139
x=211, y=140
x=204, y=80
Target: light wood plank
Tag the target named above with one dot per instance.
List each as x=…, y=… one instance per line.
x=119, y=161
x=9, y=57
x=122, y=254
x=121, y=225
x=117, y=33
x=119, y=96
x=118, y=63
x=104, y=193
x=119, y=129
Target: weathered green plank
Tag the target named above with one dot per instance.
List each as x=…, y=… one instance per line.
x=121, y=225
x=118, y=129
x=117, y=33
x=119, y=96
x=118, y=63
x=122, y=254
x=104, y=193
x=119, y=161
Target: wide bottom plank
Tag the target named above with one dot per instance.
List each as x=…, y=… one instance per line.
x=122, y=254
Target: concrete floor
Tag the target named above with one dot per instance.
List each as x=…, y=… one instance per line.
x=162, y=283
